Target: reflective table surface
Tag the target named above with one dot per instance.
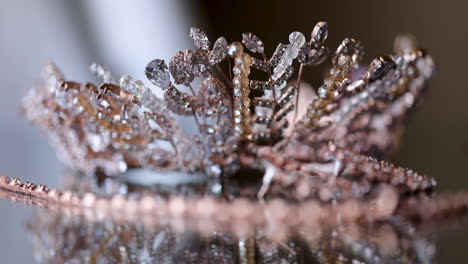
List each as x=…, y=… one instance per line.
x=55, y=235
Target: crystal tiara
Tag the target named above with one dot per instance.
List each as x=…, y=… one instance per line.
x=246, y=109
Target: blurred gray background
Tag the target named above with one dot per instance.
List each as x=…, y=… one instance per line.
x=125, y=35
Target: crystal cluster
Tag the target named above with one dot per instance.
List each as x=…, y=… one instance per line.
x=332, y=152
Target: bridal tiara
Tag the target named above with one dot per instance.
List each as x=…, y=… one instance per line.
x=245, y=108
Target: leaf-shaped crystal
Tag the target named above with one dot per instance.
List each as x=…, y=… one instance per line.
x=312, y=56
x=157, y=72
x=200, y=39
x=252, y=42
x=188, y=64
x=219, y=51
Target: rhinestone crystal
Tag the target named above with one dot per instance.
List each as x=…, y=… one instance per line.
x=199, y=38
x=252, y=42
x=219, y=51
x=137, y=88
x=312, y=56
x=320, y=33
x=157, y=72
x=187, y=65
x=296, y=40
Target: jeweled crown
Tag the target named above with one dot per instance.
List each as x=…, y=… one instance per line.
x=242, y=122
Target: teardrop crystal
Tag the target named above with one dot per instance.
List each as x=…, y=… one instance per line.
x=157, y=72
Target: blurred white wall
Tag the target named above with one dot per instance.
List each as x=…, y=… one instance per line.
x=124, y=35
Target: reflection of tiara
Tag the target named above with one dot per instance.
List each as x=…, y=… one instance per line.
x=242, y=122
x=117, y=242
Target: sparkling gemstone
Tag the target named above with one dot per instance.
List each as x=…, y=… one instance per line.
x=216, y=188
x=104, y=103
x=235, y=49
x=157, y=72
x=137, y=88
x=252, y=42
x=322, y=91
x=199, y=38
x=96, y=142
x=210, y=130
x=121, y=166
x=187, y=65
x=380, y=66
x=125, y=82
x=277, y=54
x=219, y=50
x=320, y=33
x=312, y=56
x=147, y=97
x=297, y=39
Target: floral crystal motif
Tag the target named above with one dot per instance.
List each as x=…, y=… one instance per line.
x=329, y=153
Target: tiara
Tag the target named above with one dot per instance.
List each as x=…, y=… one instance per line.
x=246, y=117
